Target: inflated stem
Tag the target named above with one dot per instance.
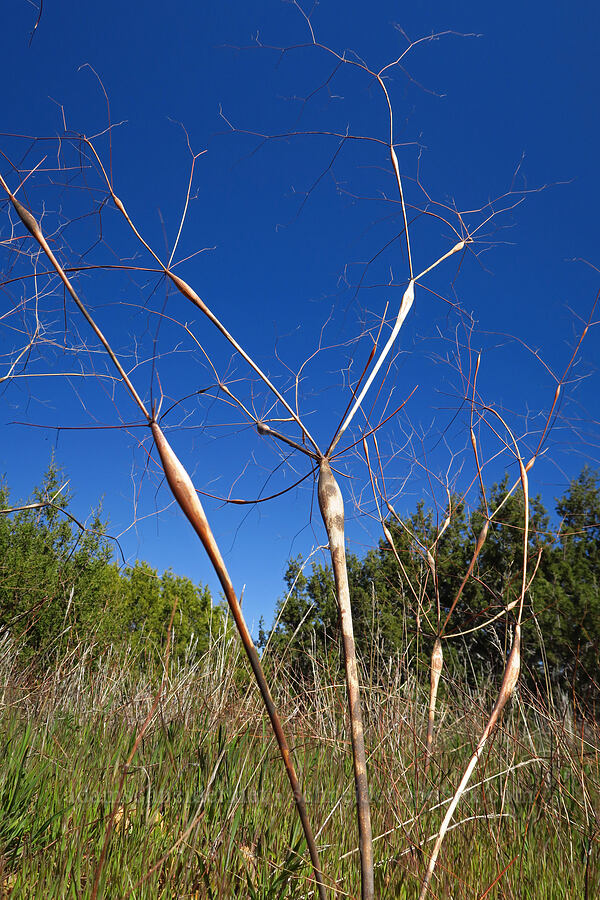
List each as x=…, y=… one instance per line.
x=437, y=662
x=405, y=307
x=331, y=505
x=509, y=681
x=183, y=490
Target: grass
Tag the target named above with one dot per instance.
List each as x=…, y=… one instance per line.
x=206, y=811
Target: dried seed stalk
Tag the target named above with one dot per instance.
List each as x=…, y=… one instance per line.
x=509, y=681
x=480, y=542
x=405, y=307
x=437, y=662
x=183, y=490
x=331, y=505
x=190, y=294
x=35, y=231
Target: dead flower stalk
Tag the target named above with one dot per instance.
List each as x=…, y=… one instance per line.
x=187, y=499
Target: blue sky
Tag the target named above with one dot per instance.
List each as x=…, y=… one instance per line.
x=506, y=100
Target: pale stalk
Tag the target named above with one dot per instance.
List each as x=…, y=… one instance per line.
x=509, y=681
x=437, y=662
x=405, y=307
x=331, y=505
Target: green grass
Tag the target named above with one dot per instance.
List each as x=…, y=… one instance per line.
x=206, y=810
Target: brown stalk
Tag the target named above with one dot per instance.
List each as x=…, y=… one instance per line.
x=331, y=505
x=388, y=536
x=183, y=490
x=480, y=542
x=509, y=681
x=36, y=232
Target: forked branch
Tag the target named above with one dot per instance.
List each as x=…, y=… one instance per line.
x=189, y=502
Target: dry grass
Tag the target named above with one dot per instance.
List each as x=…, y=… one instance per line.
x=204, y=813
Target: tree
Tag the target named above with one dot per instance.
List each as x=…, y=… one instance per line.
x=52, y=576
x=562, y=612
x=58, y=579
x=571, y=613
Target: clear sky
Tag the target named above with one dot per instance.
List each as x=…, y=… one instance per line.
x=300, y=250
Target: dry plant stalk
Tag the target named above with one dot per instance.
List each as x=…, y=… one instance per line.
x=437, y=662
x=331, y=505
x=437, y=654
x=509, y=681
x=330, y=497
x=186, y=497
x=511, y=672
x=334, y=524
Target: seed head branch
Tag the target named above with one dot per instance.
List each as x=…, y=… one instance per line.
x=193, y=297
x=509, y=682
x=36, y=232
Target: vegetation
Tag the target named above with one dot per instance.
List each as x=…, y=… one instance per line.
x=392, y=605
x=204, y=815
x=59, y=581
x=200, y=814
